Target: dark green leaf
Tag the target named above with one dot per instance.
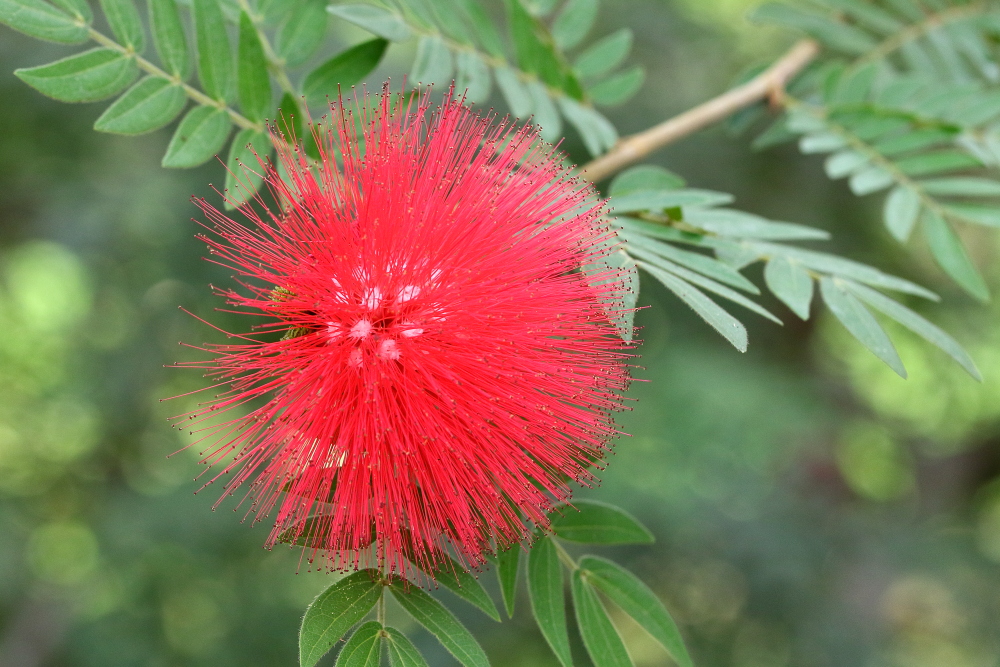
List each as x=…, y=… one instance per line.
x=791, y=283
x=332, y=614
x=363, y=648
x=644, y=177
x=302, y=31
x=344, y=70
x=199, y=137
x=597, y=132
x=533, y=46
x=961, y=186
x=124, y=20
x=215, y=58
x=604, y=644
x=85, y=77
x=638, y=601
x=168, y=37
x=244, y=174
x=595, y=522
x=916, y=324
x=473, y=76
x=146, y=106
x=433, y=62
x=440, y=622
x=43, y=21
x=573, y=22
x=776, y=133
x=514, y=92
x=507, y=568
x=619, y=88
x=452, y=576
x=253, y=79
x=727, y=325
x=402, y=652
x=375, y=20
x=950, y=254
x=871, y=179
x=900, y=212
x=605, y=54
x=860, y=323
x=548, y=603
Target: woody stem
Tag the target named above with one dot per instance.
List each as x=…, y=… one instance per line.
x=768, y=84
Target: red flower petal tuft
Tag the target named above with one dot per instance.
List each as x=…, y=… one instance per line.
x=447, y=364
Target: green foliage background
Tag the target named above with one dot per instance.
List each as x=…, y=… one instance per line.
x=810, y=507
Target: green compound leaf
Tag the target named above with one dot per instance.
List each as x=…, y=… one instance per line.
x=951, y=256
x=199, y=137
x=125, y=23
x=860, y=323
x=254, y=83
x=595, y=522
x=638, y=601
x=168, y=37
x=243, y=171
x=402, y=652
x=605, y=54
x=215, y=58
x=548, y=604
x=344, y=70
x=375, y=20
x=604, y=645
x=333, y=613
x=900, y=212
x=917, y=325
x=363, y=648
x=85, y=77
x=508, y=564
x=619, y=88
x=440, y=622
x=301, y=32
x=43, y=21
x=791, y=283
x=146, y=106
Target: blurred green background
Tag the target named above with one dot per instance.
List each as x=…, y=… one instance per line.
x=811, y=508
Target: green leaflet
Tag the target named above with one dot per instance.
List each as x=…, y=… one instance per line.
x=604, y=644
x=619, y=88
x=432, y=64
x=951, y=256
x=594, y=522
x=375, y=20
x=860, y=323
x=448, y=573
x=146, y=106
x=644, y=177
x=43, y=21
x=605, y=54
x=507, y=567
x=363, y=648
x=440, y=622
x=302, y=31
x=347, y=68
x=472, y=76
x=125, y=23
x=402, y=652
x=244, y=172
x=545, y=591
x=215, y=58
x=900, y=212
x=334, y=611
x=573, y=22
x=253, y=81
x=597, y=132
x=791, y=283
x=85, y=77
x=199, y=137
x=168, y=37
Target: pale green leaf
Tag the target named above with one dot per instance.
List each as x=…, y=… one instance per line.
x=402, y=652
x=84, y=77
x=244, y=173
x=43, y=21
x=860, y=323
x=573, y=22
x=375, y=20
x=936, y=162
x=900, y=212
x=597, y=132
x=302, y=31
x=334, y=611
x=657, y=200
x=824, y=142
x=739, y=224
x=703, y=264
x=125, y=23
x=168, y=37
x=346, y=69
x=439, y=622
x=951, y=256
x=363, y=648
x=514, y=92
x=472, y=77
x=199, y=137
x=838, y=36
x=215, y=58
x=619, y=88
x=146, y=106
x=644, y=177
x=545, y=115
x=433, y=62
x=604, y=644
x=980, y=215
x=605, y=54
x=791, y=283
x=961, y=186
x=548, y=604
x=844, y=163
x=254, y=83
x=870, y=179
x=594, y=522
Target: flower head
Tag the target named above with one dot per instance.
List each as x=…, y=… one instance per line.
x=439, y=362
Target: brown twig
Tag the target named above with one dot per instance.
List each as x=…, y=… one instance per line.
x=769, y=84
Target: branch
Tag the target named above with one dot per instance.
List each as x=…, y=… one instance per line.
x=768, y=83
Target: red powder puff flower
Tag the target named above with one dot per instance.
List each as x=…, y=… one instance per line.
x=439, y=363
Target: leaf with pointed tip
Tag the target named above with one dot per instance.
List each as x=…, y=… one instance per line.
x=743, y=225
x=375, y=20
x=168, y=37
x=334, y=611
x=455, y=578
x=199, y=137
x=951, y=256
x=125, y=23
x=347, y=68
x=644, y=177
x=902, y=207
x=440, y=622
x=84, y=77
x=402, y=652
x=507, y=569
x=363, y=648
x=146, y=106
x=638, y=601
x=603, y=643
x=302, y=31
x=548, y=604
x=605, y=54
x=860, y=323
x=43, y=21
x=708, y=266
x=791, y=283
x=618, y=89
x=917, y=325
x=597, y=132
x=573, y=22
x=594, y=522
x=215, y=58
x=254, y=83
x=244, y=173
